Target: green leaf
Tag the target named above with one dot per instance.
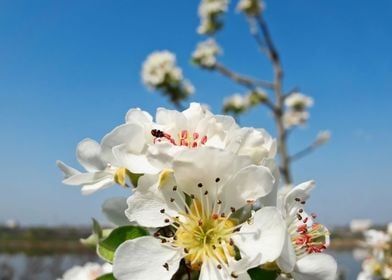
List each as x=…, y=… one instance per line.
x=97, y=229
x=134, y=177
x=108, y=276
x=261, y=274
x=108, y=246
x=92, y=241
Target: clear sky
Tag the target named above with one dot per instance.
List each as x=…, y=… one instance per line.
x=70, y=69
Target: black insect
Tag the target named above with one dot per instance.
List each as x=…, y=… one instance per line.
x=157, y=133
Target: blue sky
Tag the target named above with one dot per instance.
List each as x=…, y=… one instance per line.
x=70, y=69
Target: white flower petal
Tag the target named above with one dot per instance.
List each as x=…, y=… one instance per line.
x=138, y=116
x=209, y=271
x=87, y=178
x=271, y=198
x=301, y=191
x=228, y=123
x=262, y=240
x=89, y=155
x=207, y=166
x=114, y=210
x=67, y=170
x=161, y=155
x=144, y=258
x=145, y=209
x=246, y=186
x=102, y=184
x=136, y=163
x=287, y=259
x=255, y=143
x=194, y=114
x=145, y=205
x=172, y=120
x=315, y=266
x=127, y=133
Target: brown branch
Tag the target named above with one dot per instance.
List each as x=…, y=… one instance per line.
x=243, y=80
x=273, y=55
x=306, y=151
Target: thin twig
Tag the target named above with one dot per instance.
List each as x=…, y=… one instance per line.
x=306, y=151
x=273, y=55
x=243, y=80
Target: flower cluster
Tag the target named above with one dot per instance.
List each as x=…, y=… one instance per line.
x=161, y=72
x=250, y=7
x=206, y=200
x=210, y=12
x=378, y=264
x=297, y=105
x=237, y=103
x=205, y=53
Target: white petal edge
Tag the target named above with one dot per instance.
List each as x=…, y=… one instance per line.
x=315, y=266
x=144, y=258
x=89, y=155
x=262, y=240
x=287, y=259
x=67, y=170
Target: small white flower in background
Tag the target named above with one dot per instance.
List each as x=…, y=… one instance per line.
x=305, y=240
x=159, y=67
x=296, y=114
x=205, y=53
x=378, y=263
x=90, y=271
x=377, y=239
x=250, y=7
x=256, y=97
x=209, y=13
x=360, y=225
x=323, y=137
x=160, y=72
x=203, y=232
x=236, y=103
x=294, y=118
x=298, y=102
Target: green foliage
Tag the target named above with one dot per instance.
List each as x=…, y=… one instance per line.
x=108, y=246
x=133, y=177
x=108, y=276
x=261, y=274
x=97, y=229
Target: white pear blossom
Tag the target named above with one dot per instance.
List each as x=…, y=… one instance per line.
x=378, y=263
x=205, y=53
x=159, y=67
x=377, y=239
x=144, y=146
x=202, y=231
x=298, y=101
x=305, y=240
x=103, y=167
x=209, y=13
x=100, y=167
x=160, y=72
x=89, y=271
x=236, y=103
x=250, y=7
x=296, y=114
x=293, y=118
x=360, y=225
